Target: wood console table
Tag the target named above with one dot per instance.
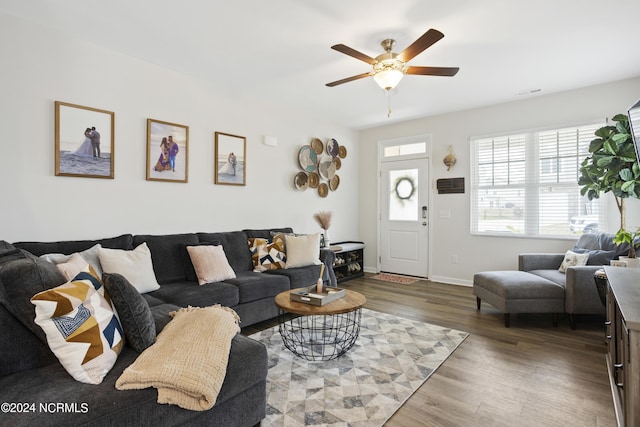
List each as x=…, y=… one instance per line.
x=623, y=336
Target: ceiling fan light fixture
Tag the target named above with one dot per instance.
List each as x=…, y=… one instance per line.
x=388, y=78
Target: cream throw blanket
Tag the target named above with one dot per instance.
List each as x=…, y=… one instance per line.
x=188, y=362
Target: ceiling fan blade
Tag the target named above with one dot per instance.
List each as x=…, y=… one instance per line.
x=433, y=71
x=348, y=79
x=426, y=40
x=354, y=53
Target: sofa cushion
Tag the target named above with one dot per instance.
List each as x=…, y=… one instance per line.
x=135, y=265
x=554, y=276
x=91, y=256
x=267, y=233
x=70, y=246
x=185, y=294
x=253, y=286
x=299, y=277
x=80, y=312
x=302, y=250
x=171, y=262
x=105, y=405
x=210, y=263
x=133, y=310
x=20, y=349
x=21, y=277
x=235, y=246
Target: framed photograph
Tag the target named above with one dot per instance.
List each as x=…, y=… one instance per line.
x=230, y=159
x=167, y=151
x=84, y=141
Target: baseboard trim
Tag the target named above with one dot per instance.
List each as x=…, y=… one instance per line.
x=451, y=281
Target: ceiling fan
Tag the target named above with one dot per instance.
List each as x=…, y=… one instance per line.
x=389, y=67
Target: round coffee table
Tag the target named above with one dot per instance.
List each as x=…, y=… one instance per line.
x=320, y=332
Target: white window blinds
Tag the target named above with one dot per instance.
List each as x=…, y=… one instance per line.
x=526, y=184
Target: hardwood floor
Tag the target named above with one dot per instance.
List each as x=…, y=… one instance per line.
x=530, y=374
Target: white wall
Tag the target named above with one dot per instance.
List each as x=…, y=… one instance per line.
x=41, y=66
x=452, y=236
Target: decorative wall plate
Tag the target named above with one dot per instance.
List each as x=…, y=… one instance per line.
x=334, y=183
x=333, y=147
x=317, y=145
x=338, y=162
x=342, y=151
x=323, y=190
x=301, y=181
x=314, y=180
x=307, y=158
x=326, y=167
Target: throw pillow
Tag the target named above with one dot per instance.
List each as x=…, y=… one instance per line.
x=82, y=328
x=572, y=259
x=210, y=263
x=135, y=265
x=133, y=311
x=73, y=266
x=91, y=256
x=303, y=250
x=596, y=257
x=267, y=255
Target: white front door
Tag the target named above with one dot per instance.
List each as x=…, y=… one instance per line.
x=404, y=219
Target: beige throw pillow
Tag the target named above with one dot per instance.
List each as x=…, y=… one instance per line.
x=74, y=265
x=302, y=250
x=135, y=265
x=210, y=263
x=572, y=259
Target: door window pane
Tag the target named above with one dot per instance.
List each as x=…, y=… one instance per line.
x=403, y=195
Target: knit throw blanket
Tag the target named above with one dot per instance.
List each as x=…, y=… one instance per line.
x=188, y=362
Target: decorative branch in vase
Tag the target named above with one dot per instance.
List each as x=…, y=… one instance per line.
x=323, y=218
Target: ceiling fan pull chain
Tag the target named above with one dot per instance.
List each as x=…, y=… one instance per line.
x=388, y=95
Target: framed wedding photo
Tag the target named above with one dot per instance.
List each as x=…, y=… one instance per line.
x=230, y=159
x=167, y=151
x=84, y=141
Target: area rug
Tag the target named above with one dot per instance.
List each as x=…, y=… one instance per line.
x=392, y=357
x=395, y=278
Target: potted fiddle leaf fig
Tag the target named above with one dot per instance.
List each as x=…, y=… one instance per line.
x=612, y=167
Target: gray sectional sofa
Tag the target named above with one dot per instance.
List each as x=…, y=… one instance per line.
x=43, y=393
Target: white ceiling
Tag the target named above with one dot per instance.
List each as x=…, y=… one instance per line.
x=278, y=51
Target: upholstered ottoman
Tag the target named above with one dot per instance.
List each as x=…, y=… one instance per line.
x=518, y=292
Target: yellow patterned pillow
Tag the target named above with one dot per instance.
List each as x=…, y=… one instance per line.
x=268, y=255
x=82, y=328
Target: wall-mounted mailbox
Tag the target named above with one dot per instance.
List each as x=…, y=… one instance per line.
x=450, y=185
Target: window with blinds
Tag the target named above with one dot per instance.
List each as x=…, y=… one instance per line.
x=526, y=184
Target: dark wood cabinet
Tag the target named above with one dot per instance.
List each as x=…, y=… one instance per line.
x=623, y=341
x=349, y=262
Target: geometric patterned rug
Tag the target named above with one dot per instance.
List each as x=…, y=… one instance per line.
x=392, y=357
x=395, y=278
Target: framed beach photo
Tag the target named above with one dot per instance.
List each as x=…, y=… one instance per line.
x=230, y=159
x=84, y=141
x=167, y=151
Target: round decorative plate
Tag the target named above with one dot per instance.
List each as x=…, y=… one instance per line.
x=333, y=147
x=307, y=158
x=333, y=184
x=342, y=151
x=323, y=190
x=301, y=181
x=326, y=167
x=338, y=162
x=317, y=145
x=314, y=180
